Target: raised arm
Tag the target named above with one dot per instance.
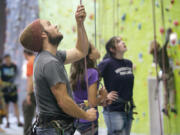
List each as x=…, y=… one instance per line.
x=81, y=48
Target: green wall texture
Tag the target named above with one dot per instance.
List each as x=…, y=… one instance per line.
x=131, y=19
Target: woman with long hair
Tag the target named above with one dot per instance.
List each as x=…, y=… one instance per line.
x=117, y=73
x=80, y=91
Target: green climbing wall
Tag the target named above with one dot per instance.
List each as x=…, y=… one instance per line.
x=131, y=19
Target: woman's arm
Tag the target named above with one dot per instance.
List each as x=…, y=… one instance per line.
x=94, y=98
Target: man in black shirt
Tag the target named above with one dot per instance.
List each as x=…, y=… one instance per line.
x=8, y=75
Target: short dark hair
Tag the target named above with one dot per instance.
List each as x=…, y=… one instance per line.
x=6, y=56
x=28, y=52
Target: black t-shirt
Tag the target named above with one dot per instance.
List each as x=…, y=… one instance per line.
x=118, y=76
x=8, y=72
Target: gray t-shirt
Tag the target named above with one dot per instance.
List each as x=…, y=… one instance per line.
x=48, y=71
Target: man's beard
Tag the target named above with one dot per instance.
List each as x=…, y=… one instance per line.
x=54, y=40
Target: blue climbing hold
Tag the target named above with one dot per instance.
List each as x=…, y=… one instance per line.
x=140, y=57
x=123, y=18
x=139, y=26
x=157, y=4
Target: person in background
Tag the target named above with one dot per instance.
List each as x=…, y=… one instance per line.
x=167, y=72
x=8, y=75
x=80, y=91
x=29, y=104
x=2, y=104
x=117, y=73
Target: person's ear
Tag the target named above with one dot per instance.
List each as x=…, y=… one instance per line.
x=112, y=50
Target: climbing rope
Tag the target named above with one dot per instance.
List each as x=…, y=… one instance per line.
x=114, y=5
x=155, y=54
x=163, y=60
x=86, y=75
x=118, y=17
x=95, y=29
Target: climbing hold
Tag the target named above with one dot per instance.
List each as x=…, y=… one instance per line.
x=162, y=30
x=91, y=16
x=123, y=18
x=176, y=23
x=173, y=39
x=157, y=4
x=172, y=1
x=140, y=56
x=139, y=26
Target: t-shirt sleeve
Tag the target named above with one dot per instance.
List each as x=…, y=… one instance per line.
x=61, y=55
x=53, y=73
x=93, y=76
x=29, y=69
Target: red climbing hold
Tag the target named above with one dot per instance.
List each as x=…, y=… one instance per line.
x=176, y=23
x=162, y=30
x=91, y=17
x=172, y=1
